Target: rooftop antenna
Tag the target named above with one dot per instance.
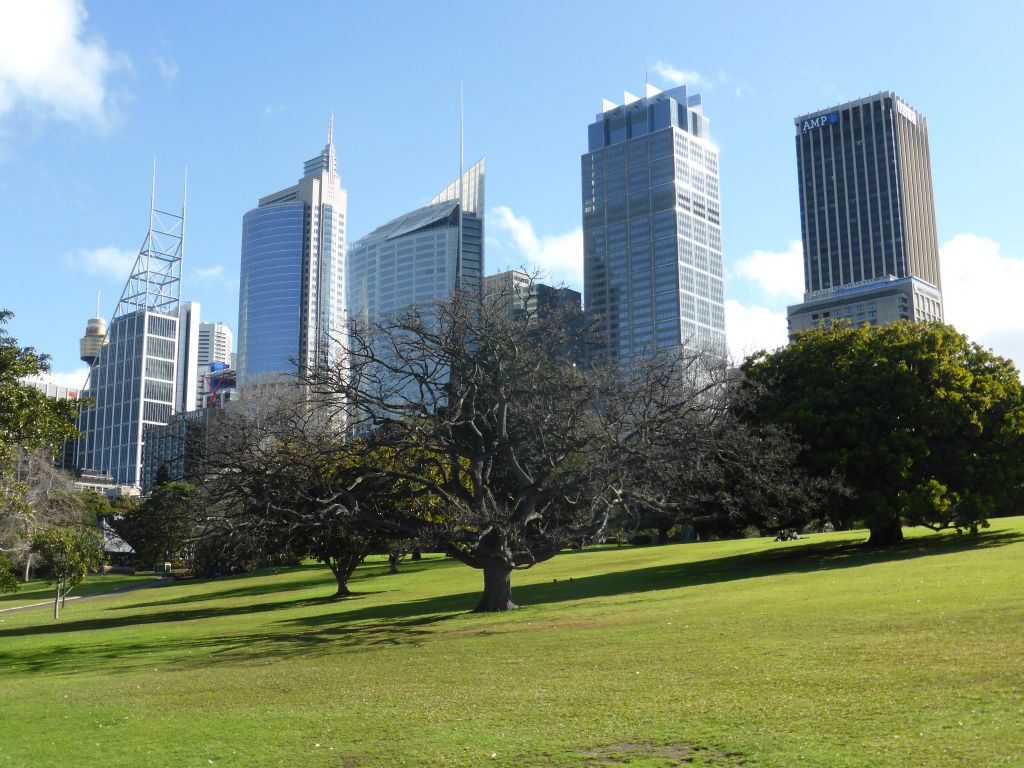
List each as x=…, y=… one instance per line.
x=462, y=120
x=330, y=129
x=97, y=304
x=184, y=206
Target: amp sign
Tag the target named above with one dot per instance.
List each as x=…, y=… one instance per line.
x=817, y=122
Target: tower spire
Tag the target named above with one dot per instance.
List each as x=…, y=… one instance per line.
x=330, y=130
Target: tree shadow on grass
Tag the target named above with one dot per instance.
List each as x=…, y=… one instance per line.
x=788, y=558
x=357, y=625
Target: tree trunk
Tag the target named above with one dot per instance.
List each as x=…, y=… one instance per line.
x=393, y=563
x=417, y=554
x=56, y=603
x=28, y=569
x=886, y=534
x=343, y=566
x=497, y=594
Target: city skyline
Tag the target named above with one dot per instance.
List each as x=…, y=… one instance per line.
x=82, y=135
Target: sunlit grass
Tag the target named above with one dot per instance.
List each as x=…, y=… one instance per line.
x=747, y=652
x=38, y=591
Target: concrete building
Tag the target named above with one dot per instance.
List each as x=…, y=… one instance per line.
x=871, y=251
x=173, y=449
x=292, y=279
x=652, y=236
x=422, y=256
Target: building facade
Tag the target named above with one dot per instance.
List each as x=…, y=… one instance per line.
x=422, y=256
x=652, y=236
x=215, y=343
x=292, y=276
x=185, y=399
x=133, y=379
x=867, y=215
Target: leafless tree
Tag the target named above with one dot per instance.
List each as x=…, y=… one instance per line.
x=276, y=483
x=48, y=498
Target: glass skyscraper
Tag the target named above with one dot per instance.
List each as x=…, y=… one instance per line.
x=418, y=258
x=871, y=251
x=652, y=236
x=134, y=377
x=292, y=278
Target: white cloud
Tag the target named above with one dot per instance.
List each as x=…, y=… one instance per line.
x=682, y=76
x=558, y=257
x=981, y=294
x=779, y=276
x=752, y=328
x=168, y=69
x=74, y=379
x=49, y=67
x=207, y=273
x=111, y=262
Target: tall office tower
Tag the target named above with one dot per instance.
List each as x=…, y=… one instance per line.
x=133, y=380
x=652, y=236
x=871, y=252
x=424, y=255
x=215, y=341
x=188, y=357
x=291, y=296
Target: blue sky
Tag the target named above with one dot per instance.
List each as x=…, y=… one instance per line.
x=91, y=92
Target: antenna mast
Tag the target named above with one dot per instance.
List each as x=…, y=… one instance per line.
x=462, y=119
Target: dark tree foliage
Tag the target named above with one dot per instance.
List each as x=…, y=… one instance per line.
x=925, y=427
x=686, y=456
x=277, y=487
x=161, y=527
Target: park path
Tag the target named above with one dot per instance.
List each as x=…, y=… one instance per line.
x=162, y=582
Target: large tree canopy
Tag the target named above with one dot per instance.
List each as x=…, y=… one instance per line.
x=924, y=426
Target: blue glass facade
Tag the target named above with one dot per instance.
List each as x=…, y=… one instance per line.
x=271, y=288
x=291, y=293
x=652, y=236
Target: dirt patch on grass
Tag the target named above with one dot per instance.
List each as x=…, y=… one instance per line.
x=667, y=755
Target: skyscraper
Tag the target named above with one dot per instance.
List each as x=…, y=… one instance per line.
x=188, y=357
x=424, y=255
x=215, y=341
x=871, y=251
x=652, y=237
x=291, y=293
x=133, y=376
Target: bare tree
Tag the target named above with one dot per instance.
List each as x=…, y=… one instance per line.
x=526, y=452
x=277, y=483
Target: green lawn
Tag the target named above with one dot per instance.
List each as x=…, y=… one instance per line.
x=740, y=653
x=37, y=590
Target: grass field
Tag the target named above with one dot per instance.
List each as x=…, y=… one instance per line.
x=38, y=591
x=739, y=653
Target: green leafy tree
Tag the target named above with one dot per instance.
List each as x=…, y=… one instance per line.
x=70, y=552
x=30, y=424
x=923, y=426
